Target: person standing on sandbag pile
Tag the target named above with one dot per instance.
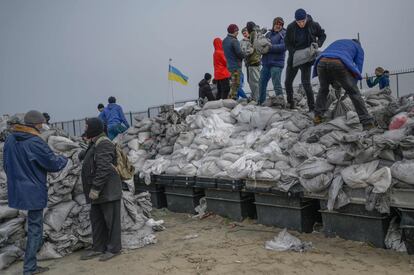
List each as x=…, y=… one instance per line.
x=273, y=62
x=103, y=189
x=204, y=88
x=252, y=60
x=302, y=36
x=27, y=159
x=114, y=118
x=101, y=108
x=234, y=57
x=221, y=73
x=341, y=62
x=381, y=78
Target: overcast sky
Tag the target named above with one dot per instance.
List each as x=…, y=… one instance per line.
x=65, y=57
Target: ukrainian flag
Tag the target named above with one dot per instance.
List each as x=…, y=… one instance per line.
x=175, y=75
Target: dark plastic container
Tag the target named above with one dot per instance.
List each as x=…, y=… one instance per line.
x=183, y=199
x=235, y=205
x=282, y=211
x=165, y=179
x=230, y=184
x=407, y=225
x=202, y=182
x=408, y=237
x=156, y=190
x=353, y=222
x=184, y=181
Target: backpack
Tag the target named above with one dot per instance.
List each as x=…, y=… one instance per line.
x=123, y=166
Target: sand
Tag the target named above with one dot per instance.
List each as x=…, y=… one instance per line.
x=216, y=245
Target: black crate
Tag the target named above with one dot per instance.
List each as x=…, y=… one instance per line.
x=184, y=181
x=230, y=184
x=235, y=205
x=294, y=213
x=202, y=182
x=165, y=179
x=407, y=218
x=158, y=198
x=408, y=237
x=353, y=222
x=183, y=199
x=153, y=186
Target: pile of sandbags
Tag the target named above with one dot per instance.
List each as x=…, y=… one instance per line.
x=66, y=220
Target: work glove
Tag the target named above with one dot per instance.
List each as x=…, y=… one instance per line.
x=315, y=45
x=93, y=194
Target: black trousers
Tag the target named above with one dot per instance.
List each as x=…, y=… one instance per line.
x=305, y=71
x=336, y=73
x=106, y=226
x=223, y=88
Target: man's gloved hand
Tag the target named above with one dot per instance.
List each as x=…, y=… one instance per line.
x=93, y=194
x=315, y=45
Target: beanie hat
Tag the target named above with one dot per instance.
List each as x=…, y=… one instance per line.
x=278, y=19
x=232, y=28
x=33, y=117
x=94, y=128
x=207, y=76
x=244, y=30
x=379, y=70
x=111, y=99
x=250, y=26
x=300, y=14
x=101, y=106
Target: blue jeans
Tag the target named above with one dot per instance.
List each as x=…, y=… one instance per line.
x=270, y=72
x=34, y=240
x=115, y=130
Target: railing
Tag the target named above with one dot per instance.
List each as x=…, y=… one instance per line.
x=401, y=83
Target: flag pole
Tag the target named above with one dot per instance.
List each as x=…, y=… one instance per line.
x=172, y=86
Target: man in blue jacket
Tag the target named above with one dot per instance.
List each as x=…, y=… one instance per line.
x=342, y=62
x=114, y=119
x=382, y=78
x=234, y=57
x=274, y=61
x=27, y=159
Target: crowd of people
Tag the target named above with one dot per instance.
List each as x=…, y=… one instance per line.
x=264, y=54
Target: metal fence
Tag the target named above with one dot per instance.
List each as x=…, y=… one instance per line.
x=401, y=83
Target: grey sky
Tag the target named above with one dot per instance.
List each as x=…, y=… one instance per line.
x=65, y=57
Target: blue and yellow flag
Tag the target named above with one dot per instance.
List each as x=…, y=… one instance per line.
x=175, y=75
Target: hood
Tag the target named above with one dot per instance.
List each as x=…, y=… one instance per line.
x=111, y=106
x=218, y=44
x=203, y=82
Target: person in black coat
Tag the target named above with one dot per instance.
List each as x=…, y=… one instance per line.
x=102, y=187
x=204, y=89
x=301, y=34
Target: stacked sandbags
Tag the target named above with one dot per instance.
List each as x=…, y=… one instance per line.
x=66, y=220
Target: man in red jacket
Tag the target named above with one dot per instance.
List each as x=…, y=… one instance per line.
x=221, y=74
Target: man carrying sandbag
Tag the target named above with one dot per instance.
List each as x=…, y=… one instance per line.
x=303, y=37
x=341, y=62
x=27, y=159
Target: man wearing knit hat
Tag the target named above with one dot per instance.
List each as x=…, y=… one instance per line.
x=273, y=61
x=27, y=160
x=253, y=61
x=234, y=56
x=301, y=34
x=381, y=78
x=102, y=188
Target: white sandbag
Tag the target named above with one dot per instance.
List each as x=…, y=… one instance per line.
x=356, y=176
x=47, y=252
x=9, y=255
x=381, y=180
x=307, y=150
x=216, y=104
x=133, y=144
x=261, y=117
x=404, y=171
x=185, y=139
x=10, y=227
x=314, y=167
x=7, y=213
x=229, y=103
x=143, y=136
x=62, y=144
x=56, y=216
x=317, y=184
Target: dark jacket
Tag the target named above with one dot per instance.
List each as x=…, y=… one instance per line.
x=383, y=81
x=349, y=52
x=313, y=33
x=113, y=115
x=233, y=53
x=276, y=56
x=204, y=90
x=220, y=63
x=27, y=159
x=98, y=172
